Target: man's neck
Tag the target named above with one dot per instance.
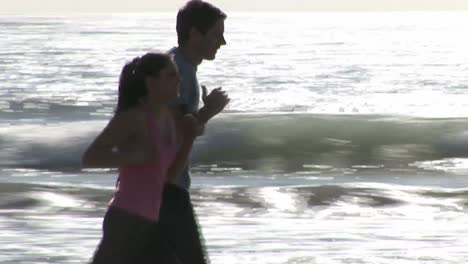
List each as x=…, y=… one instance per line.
x=191, y=55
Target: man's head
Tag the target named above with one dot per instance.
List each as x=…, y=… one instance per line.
x=200, y=25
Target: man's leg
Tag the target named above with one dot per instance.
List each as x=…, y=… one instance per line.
x=179, y=227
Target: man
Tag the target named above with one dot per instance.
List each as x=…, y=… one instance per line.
x=200, y=32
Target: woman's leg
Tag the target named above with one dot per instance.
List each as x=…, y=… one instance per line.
x=125, y=238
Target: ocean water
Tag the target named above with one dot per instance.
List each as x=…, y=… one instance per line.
x=346, y=139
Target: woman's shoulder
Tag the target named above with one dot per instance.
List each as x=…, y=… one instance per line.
x=132, y=113
x=130, y=117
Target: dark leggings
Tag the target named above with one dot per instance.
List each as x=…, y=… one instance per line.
x=179, y=227
x=131, y=239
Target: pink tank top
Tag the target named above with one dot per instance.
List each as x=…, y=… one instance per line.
x=140, y=187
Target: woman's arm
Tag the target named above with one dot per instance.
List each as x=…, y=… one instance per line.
x=103, y=153
x=188, y=129
x=180, y=110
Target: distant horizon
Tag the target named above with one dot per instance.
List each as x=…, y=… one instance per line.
x=26, y=7
x=229, y=12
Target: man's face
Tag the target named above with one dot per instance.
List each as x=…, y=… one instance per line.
x=212, y=40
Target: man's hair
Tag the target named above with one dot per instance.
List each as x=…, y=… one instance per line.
x=199, y=15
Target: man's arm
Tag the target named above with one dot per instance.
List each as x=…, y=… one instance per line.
x=214, y=103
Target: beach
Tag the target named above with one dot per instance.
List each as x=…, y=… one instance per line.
x=345, y=141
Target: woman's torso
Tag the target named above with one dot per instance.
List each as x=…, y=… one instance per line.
x=140, y=187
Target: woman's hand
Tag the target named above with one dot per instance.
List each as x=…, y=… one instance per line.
x=189, y=127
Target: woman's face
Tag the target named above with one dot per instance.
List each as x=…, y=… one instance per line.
x=164, y=88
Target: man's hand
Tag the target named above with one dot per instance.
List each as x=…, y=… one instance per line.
x=215, y=101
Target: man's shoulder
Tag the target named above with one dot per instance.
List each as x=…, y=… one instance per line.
x=184, y=66
x=176, y=54
x=172, y=51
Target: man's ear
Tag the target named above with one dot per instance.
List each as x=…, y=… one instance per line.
x=195, y=34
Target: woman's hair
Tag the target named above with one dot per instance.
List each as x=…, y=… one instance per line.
x=132, y=88
x=199, y=15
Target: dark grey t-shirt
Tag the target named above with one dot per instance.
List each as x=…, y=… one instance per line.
x=189, y=95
